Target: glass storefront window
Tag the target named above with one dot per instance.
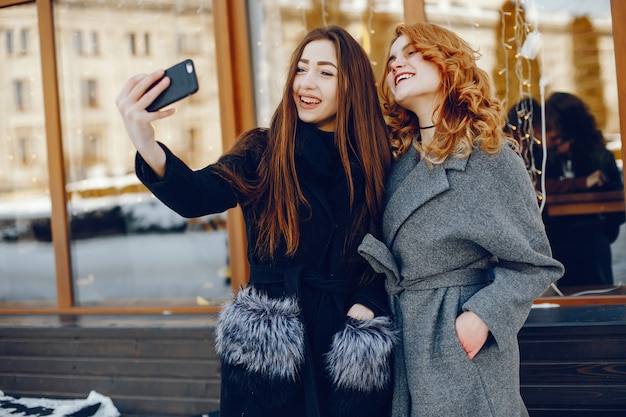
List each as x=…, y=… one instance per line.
x=127, y=248
x=26, y=263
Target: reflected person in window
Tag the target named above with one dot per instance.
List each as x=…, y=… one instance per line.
x=578, y=161
x=459, y=204
x=310, y=335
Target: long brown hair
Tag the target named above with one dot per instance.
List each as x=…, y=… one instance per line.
x=359, y=130
x=469, y=116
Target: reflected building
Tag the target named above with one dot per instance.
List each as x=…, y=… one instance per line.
x=96, y=56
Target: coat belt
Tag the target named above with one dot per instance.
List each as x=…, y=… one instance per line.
x=457, y=278
x=296, y=276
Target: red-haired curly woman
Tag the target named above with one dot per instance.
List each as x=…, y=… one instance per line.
x=463, y=247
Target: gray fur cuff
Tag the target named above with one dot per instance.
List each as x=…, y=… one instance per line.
x=262, y=335
x=360, y=355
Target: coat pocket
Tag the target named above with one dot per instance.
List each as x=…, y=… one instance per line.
x=260, y=342
x=359, y=367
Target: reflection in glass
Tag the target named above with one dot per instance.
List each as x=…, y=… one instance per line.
x=127, y=248
x=26, y=263
x=533, y=49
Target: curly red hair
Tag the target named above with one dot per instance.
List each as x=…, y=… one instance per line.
x=468, y=115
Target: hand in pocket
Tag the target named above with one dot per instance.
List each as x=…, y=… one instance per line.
x=472, y=333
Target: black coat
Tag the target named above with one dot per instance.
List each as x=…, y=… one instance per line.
x=582, y=242
x=323, y=280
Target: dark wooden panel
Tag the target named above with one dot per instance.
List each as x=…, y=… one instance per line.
x=106, y=347
x=579, y=349
x=149, y=366
x=576, y=396
x=159, y=368
x=74, y=385
x=540, y=412
x=573, y=361
x=592, y=373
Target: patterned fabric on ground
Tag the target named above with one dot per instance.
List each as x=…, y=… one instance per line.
x=95, y=405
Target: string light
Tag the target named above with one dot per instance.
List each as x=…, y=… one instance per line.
x=525, y=43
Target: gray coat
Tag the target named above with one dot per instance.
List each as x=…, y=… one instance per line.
x=463, y=235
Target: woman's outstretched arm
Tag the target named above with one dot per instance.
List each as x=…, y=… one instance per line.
x=131, y=102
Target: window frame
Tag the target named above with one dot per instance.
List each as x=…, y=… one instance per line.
x=237, y=115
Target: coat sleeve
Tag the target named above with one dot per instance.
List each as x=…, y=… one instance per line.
x=516, y=238
x=189, y=193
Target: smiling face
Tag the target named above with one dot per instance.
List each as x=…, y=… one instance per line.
x=413, y=81
x=315, y=85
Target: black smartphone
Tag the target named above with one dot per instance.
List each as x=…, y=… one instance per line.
x=183, y=82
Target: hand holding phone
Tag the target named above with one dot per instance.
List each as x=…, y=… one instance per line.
x=183, y=82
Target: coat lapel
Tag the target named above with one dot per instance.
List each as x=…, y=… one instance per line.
x=411, y=185
x=401, y=169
